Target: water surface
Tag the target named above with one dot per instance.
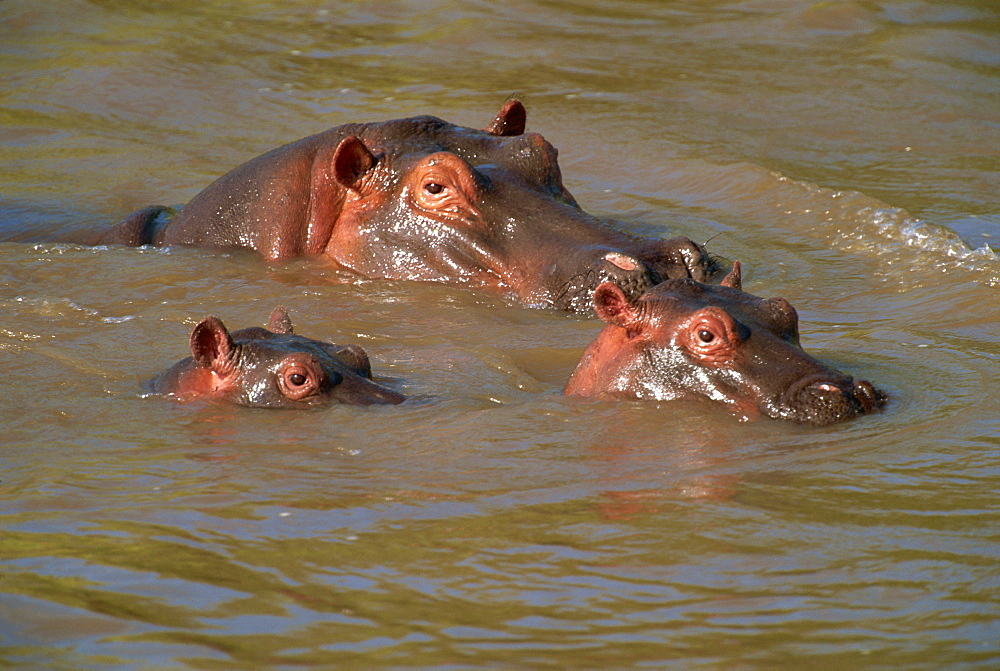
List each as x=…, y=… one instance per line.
x=846, y=152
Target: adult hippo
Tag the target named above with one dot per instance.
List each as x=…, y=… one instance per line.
x=423, y=199
x=687, y=340
x=271, y=368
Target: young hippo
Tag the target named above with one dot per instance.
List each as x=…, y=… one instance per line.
x=271, y=368
x=687, y=340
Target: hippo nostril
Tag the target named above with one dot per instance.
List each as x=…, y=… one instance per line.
x=828, y=390
x=688, y=259
x=622, y=261
x=869, y=397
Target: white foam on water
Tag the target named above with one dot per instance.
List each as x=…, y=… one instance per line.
x=846, y=220
x=861, y=224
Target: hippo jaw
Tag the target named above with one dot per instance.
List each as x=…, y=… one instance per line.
x=818, y=398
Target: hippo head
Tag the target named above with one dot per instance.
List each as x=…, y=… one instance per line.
x=426, y=199
x=687, y=340
x=271, y=368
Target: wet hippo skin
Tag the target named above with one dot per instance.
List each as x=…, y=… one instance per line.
x=271, y=368
x=686, y=340
x=423, y=199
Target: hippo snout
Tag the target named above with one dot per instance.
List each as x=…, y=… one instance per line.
x=633, y=276
x=824, y=399
x=688, y=259
x=361, y=391
x=629, y=273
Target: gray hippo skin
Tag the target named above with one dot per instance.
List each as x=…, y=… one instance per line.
x=687, y=340
x=271, y=368
x=423, y=199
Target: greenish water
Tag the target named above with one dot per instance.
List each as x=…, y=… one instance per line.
x=848, y=153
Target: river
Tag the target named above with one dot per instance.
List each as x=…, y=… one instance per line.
x=848, y=153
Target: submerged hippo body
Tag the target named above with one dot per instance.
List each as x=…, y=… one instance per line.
x=423, y=199
x=271, y=368
x=687, y=340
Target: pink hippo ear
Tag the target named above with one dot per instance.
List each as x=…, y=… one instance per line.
x=735, y=277
x=509, y=121
x=351, y=161
x=332, y=176
x=279, y=321
x=211, y=343
x=611, y=305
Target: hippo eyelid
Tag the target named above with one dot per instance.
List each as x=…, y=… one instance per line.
x=300, y=377
x=712, y=335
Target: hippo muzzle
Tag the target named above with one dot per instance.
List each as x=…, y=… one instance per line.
x=628, y=273
x=824, y=399
x=633, y=272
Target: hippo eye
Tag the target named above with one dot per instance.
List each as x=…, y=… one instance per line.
x=300, y=378
x=706, y=336
x=433, y=188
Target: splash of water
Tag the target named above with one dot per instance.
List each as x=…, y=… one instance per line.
x=861, y=224
x=898, y=238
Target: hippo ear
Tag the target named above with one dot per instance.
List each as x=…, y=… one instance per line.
x=351, y=161
x=613, y=306
x=354, y=357
x=210, y=343
x=509, y=121
x=735, y=277
x=279, y=321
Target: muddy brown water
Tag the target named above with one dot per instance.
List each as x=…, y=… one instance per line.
x=846, y=152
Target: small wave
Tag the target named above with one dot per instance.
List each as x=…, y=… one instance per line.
x=847, y=220
x=56, y=308
x=892, y=234
x=897, y=225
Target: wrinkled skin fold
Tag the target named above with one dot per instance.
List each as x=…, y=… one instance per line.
x=422, y=199
x=271, y=368
x=686, y=340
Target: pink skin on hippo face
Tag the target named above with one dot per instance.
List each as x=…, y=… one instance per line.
x=424, y=199
x=271, y=368
x=687, y=340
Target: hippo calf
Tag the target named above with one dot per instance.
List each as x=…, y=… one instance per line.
x=687, y=340
x=271, y=368
x=422, y=199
